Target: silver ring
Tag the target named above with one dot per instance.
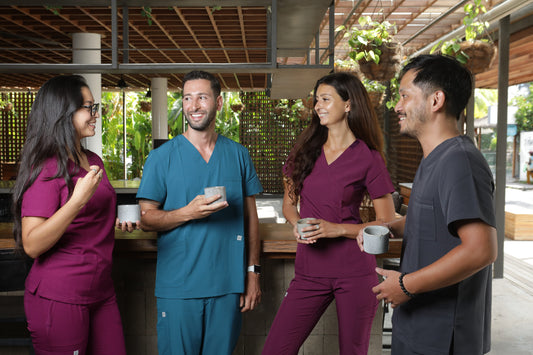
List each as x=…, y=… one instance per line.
x=94, y=170
x=317, y=227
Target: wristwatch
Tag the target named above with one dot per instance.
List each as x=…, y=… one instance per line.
x=254, y=268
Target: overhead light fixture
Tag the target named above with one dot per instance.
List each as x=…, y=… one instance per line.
x=121, y=83
x=148, y=93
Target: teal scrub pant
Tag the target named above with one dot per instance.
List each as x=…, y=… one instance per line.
x=197, y=326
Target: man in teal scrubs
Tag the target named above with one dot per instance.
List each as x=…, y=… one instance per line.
x=208, y=252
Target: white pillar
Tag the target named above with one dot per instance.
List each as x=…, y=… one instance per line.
x=159, y=108
x=86, y=50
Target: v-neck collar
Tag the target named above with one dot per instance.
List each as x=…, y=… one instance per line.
x=340, y=156
x=198, y=152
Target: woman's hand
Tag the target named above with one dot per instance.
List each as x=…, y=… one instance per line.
x=299, y=239
x=127, y=226
x=87, y=185
x=320, y=229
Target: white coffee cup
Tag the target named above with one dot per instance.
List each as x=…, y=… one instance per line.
x=129, y=213
x=216, y=190
x=376, y=239
x=303, y=223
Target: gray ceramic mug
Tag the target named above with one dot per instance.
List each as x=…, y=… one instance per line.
x=215, y=190
x=303, y=223
x=376, y=239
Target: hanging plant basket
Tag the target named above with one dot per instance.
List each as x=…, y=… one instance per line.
x=304, y=113
x=237, y=107
x=279, y=110
x=388, y=66
x=8, y=107
x=376, y=98
x=308, y=102
x=146, y=106
x=480, y=55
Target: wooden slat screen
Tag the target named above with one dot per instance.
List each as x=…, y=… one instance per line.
x=13, y=130
x=404, y=154
x=269, y=136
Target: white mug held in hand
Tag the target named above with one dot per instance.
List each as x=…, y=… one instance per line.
x=303, y=223
x=216, y=190
x=376, y=239
x=129, y=213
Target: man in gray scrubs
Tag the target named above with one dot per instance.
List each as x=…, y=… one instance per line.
x=442, y=294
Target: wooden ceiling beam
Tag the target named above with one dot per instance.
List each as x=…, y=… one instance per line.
x=215, y=28
x=40, y=35
x=83, y=30
x=191, y=32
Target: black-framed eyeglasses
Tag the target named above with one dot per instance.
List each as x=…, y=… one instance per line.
x=93, y=109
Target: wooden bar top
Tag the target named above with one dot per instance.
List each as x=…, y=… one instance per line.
x=277, y=241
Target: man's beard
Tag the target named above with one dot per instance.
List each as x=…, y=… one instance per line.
x=202, y=125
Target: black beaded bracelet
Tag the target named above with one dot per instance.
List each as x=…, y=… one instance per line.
x=403, y=287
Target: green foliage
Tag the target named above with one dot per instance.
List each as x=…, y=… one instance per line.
x=473, y=28
x=146, y=12
x=366, y=40
x=139, y=129
x=175, y=114
x=486, y=141
x=493, y=142
x=484, y=98
x=53, y=9
x=227, y=123
x=394, y=92
x=372, y=85
x=112, y=128
x=290, y=110
x=7, y=106
x=524, y=114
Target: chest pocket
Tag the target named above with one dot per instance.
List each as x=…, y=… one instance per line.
x=426, y=227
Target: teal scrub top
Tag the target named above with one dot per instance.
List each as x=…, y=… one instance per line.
x=204, y=257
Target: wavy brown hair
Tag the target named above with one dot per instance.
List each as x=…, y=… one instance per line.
x=362, y=121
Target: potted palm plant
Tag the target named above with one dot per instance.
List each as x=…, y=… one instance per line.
x=475, y=53
x=373, y=48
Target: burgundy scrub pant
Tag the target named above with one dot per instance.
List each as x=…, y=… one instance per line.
x=58, y=328
x=305, y=302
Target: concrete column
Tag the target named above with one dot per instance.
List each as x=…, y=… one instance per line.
x=501, y=145
x=86, y=50
x=159, y=108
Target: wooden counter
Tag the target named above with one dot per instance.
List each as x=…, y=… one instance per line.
x=120, y=186
x=405, y=191
x=277, y=241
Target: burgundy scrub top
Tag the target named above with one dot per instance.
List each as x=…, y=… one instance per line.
x=77, y=269
x=334, y=192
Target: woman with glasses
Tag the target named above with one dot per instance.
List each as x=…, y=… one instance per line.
x=64, y=218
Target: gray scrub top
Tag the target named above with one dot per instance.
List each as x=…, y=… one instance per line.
x=452, y=183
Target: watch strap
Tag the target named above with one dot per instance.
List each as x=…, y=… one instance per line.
x=254, y=268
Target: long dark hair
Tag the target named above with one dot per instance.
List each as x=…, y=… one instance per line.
x=362, y=121
x=50, y=134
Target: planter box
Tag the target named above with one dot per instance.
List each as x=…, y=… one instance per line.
x=518, y=226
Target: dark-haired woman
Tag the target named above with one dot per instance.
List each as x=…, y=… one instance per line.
x=64, y=218
x=335, y=160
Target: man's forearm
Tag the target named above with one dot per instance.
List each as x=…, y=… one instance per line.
x=156, y=220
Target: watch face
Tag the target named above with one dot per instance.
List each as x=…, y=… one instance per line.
x=255, y=268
